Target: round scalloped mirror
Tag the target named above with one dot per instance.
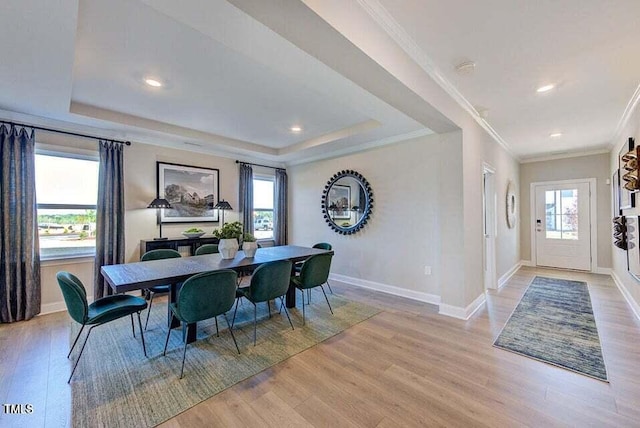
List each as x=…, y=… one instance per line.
x=511, y=205
x=347, y=202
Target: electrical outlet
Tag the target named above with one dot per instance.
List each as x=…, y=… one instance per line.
x=427, y=270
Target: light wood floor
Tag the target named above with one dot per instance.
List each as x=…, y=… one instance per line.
x=407, y=366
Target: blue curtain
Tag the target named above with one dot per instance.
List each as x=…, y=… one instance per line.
x=20, y=294
x=246, y=197
x=280, y=208
x=110, y=214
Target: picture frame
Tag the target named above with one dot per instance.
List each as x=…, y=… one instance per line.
x=192, y=192
x=339, y=202
x=615, y=193
x=627, y=198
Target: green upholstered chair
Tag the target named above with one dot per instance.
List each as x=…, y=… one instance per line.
x=100, y=312
x=152, y=291
x=201, y=297
x=207, y=249
x=298, y=267
x=314, y=273
x=269, y=281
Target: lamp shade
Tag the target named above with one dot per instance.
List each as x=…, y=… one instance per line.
x=159, y=203
x=223, y=205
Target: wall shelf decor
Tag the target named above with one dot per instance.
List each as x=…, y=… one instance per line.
x=629, y=167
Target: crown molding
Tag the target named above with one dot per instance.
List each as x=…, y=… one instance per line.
x=626, y=115
x=565, y=155
x=384, y=19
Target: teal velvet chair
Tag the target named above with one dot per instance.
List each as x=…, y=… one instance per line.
x=152, y=291
x=100, y=312
x=201, y=297
x=269, y=281
x=320, y=246
x=314, y=273
x=207, y=249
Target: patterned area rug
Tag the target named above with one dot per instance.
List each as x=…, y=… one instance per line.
x=116, y=386
x=554, y=323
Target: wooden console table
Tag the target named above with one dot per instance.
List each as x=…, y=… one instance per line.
x=174, y=243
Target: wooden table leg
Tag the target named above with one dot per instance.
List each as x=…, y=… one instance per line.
x=173, y=321
x=291, y=296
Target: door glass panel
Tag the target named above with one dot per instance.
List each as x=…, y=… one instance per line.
x=561, y=214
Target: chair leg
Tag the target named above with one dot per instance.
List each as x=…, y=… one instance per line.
x=184, y=350
x=325, y=298
x=144, y=347
x=286, y=311
x=329, y=285
x=75, y=341
x=233, y=321
x=217, y=331
x=308, y=296
x=132, y=327
x=164, y=353
x=231, y=331
x=80, y=355
x=149, y=310
x=303, y=316
x=255, y=322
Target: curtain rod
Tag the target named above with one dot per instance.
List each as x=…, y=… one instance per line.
x=264, y=166
x=75, y=134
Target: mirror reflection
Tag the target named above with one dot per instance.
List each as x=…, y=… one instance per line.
x=347, y=202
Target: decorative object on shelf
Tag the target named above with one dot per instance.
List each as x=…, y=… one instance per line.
x=511, y=205
x=192, y=192
x=337, y=198
x=223, y=205
x=194, y=232
x=620, y=233
x=249, y=245
x=629, y=173
x=159, y=204
x=229, y=234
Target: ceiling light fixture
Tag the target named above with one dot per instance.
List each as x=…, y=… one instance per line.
x=556, y=135
x=466, y=67
x=295, y=129
x=153, y=82
x=545, y=88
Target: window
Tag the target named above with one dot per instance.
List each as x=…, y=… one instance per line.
x=263, y=208
x=561, y=214
x=66, y=193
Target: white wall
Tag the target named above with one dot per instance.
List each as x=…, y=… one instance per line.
x=140, y=189
x=593, y=166
x=630, y=286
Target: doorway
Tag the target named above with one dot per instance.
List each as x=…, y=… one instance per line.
x=563, y=224
x=489, y=226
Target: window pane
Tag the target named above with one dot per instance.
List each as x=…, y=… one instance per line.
x=263, y=209
x=570, y=214
x=66, y=230
x=61, y=180
x=66, y=233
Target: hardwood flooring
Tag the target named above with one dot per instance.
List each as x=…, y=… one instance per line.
x=407, y=366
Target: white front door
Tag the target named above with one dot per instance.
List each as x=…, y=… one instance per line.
x=563, y=225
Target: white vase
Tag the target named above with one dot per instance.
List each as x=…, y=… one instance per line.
x=228, y=248
x=249, y=249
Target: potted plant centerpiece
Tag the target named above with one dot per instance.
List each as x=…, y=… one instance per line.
x=228, y=235
x=249, y=245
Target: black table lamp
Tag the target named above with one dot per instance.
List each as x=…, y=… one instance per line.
x=158, y=203
x=223, y=205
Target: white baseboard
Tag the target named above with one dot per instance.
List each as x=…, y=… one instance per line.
x=389, y=289
x=603, y=271
x=462, y=313
x=526, y=263
x=635, y=307
x=49, y=308
x=508, y=274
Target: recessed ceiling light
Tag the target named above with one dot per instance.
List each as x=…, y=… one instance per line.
x=556, y=135
x=295, y=129
x=466, y=67
x=153, y=82
x=545, y=88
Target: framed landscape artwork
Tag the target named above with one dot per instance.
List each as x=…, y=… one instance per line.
x=339, y=202
x=192, y=192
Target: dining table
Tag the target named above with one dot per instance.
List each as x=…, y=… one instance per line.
x=141, y=275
